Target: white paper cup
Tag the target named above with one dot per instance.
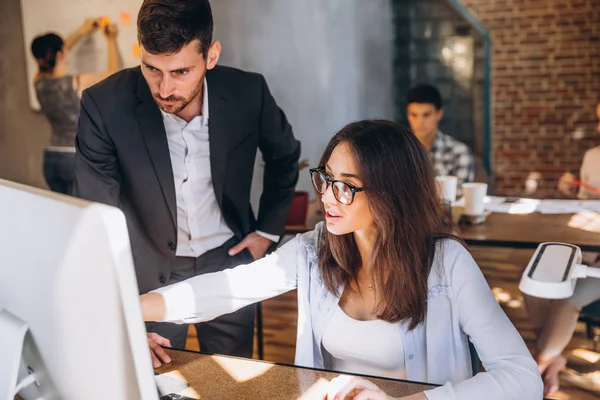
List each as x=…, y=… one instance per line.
x=474, y=194
x=447, y=187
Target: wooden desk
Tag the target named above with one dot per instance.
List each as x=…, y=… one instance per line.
x=220, y=377
x=525, y=231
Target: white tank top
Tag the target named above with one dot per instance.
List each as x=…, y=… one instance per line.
x=364, y=347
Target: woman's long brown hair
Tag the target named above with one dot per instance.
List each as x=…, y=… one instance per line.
x=399, y=181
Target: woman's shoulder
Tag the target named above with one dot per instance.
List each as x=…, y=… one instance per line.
x=449, y=247
x=305, y=244
x=450, y=256
x=310, y=239
x=592, y=154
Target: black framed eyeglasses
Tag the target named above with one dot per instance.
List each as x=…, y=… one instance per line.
x=342, y=191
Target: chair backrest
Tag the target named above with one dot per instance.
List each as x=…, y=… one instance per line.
x=592, y=310
x=474, y=358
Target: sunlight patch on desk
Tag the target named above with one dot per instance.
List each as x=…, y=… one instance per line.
x=501, y=295
x=515, y=303
x=589, y=381
x=590, y=356
x=586, y=221
x=505, y=298
x=241, y=370
x=561, y=396
x=316, y=391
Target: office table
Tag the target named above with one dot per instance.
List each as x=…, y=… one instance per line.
x=527, y=231
x=222, y=377
x=523, y=231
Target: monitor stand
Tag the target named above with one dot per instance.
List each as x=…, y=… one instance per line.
x=14, y=331
x=11, y=349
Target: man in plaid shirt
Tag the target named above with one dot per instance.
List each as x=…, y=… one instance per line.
x=449, y=156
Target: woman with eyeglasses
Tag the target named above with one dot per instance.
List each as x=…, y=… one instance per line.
x=382, y=290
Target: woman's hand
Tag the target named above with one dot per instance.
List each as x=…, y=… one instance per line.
x=110, y=31
x=351, y=387
x=566, y=184
x=156, y=344
x=89, y=25
x=550, y=366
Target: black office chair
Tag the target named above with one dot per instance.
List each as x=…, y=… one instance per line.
x=590, y=316
x=474, y=358
x=259, y=331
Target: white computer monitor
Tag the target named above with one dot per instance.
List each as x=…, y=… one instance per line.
x=69, y=305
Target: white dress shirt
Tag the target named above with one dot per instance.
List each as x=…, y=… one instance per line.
x=460, y=307
x=590, y=173
x=200, y=223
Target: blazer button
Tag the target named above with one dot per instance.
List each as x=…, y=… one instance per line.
x=162, y=279
x=172, y=246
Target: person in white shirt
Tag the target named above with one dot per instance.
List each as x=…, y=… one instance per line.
x=382, y=289
x=555, y=320
x=589, y=173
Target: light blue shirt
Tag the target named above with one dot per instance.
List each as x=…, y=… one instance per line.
x=460, y=306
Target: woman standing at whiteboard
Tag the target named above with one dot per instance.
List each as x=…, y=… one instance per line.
x=58, y=93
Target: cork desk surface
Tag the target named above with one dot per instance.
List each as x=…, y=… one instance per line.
x=221, y=377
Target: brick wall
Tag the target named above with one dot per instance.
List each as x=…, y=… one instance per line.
x=545, y=87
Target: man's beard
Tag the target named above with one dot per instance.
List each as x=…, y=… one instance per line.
x=181, y=102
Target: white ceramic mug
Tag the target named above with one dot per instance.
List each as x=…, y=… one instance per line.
x=474, y=194
x=447, y=187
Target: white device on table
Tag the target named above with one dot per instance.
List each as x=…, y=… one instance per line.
x=553, y=271
x=70, y=318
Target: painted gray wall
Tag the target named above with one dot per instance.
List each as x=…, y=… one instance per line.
x=327, y=63
x=23, y=132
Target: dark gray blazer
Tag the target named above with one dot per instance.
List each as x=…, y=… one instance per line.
x=123, y=160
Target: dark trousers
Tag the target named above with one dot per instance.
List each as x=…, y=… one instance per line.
x=230, y=334
x=59, y=171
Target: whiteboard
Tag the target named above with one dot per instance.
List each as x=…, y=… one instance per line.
x=64, y=17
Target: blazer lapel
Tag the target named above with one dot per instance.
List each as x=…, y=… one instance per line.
x=152, y=128
x=218, y=124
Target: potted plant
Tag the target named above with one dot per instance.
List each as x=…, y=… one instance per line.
x=299, y=209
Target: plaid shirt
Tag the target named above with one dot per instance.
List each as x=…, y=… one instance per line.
x=451, y=157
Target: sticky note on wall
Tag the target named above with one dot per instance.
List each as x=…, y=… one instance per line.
x=136, y=50
x=124, y=18
x=104, y=22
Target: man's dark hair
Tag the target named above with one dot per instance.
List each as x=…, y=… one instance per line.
x=165, y=26
x=424, y=94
